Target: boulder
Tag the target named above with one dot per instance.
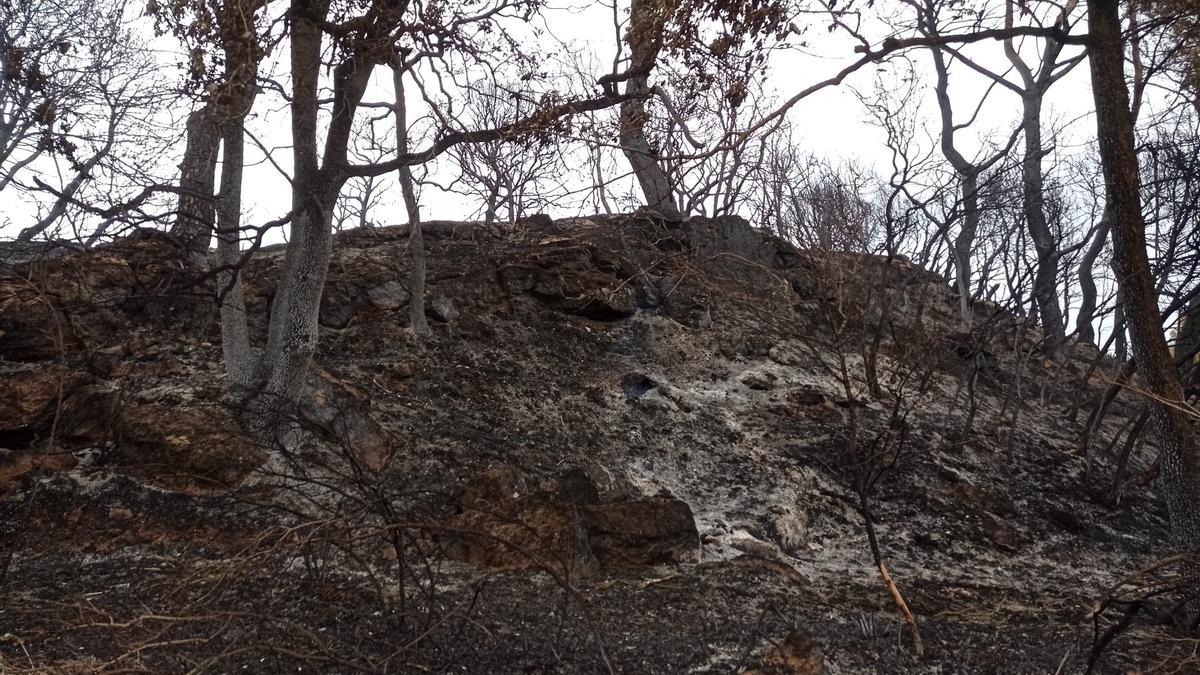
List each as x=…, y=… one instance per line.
x=789, y=353
x=798, y=654
x=342, y=411
x=528, y=532
x=30, y=396
x=440, y=308
x=193, y=450
x=646, y=531
x=388, y=296
x=505, y=523
x=339, y=303
x=790, y=528
x=759, y=380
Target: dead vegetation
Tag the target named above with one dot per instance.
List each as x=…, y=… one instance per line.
x=629, y=447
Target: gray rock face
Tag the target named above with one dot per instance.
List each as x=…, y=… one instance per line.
x=441, y=308
x=388, y=296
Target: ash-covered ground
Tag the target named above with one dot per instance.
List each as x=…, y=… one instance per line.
x=628, y=447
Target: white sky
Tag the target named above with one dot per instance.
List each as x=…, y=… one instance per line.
x=831, y=123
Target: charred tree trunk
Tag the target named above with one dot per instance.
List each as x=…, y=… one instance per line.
x=235, y=338
x=964, y=243
x=197, y=203
x=1087, y=283
x=1187, y=345
x=1045, y=284
x=1114, y=121
x=1120, y=326
x=416, y=243
x=645, y=42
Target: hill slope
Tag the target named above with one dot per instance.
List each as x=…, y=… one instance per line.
x=628, y=447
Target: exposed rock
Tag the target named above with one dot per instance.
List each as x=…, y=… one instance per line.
x=749, y=544
x=30, y=325
x=789, y=353
x=760, y=380
x=87, y=414
x=493, y=488
x=441, y=309
x=339, y=303
x=583, y=282
x=1002, y=535
x=682, y=399
x=50, y=308
x=808, y=396
x=506, y=525
x=790, y=528
x=648, y=531
x=798, y=654
x=529, y=532
x=577, y=487
x=14, y=253
x=191, y=449
x=342, y=411
x=388, y=296
x=120, y=513
x=16, y=465
x=28, y=396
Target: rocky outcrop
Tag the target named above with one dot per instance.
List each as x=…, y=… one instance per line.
x=667, y=417
x=797, y=654
x=565, y=525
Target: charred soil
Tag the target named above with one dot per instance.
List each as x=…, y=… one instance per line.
x=629, y=446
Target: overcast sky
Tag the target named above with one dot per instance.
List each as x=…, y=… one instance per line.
x=831, y=123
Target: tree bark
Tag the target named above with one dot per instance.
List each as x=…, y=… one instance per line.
x=964, y=243
x=1120, y=326
x=292, y=332
x=1084, y=329
x=645, y=42
x=231, y=300
x=197, y=203
x=1187, y=344
x=1045, y=282
x=416, y=243
x=1114, y=122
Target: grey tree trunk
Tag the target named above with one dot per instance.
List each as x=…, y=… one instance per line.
x=490, y=206
x=645, y=42
x=1045, y=284
x=1084, y=329
x=194, y=218
x=293, y=331
x=416, y=243
x=964, y=244
x=235, y=339
x=1187, y=344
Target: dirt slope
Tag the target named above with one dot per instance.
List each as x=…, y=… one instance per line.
x=628, y=447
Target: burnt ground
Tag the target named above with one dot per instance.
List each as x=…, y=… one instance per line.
x=586, y=377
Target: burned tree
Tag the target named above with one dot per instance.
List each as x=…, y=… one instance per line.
x=1114, y=122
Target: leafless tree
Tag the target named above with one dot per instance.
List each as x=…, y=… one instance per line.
x=362, y=196
x=78, y=94
x=1032, y=87
x=928, y=23
x=510, y=177
x=1115, y=130
x=812, y=202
